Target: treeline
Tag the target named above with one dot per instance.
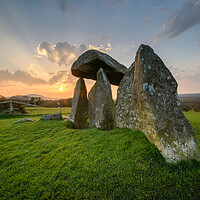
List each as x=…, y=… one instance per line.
x=56, y=103
x=40, y=101
x=5, y=107
x=20, y=108
x=194, y=106
x=186, y=103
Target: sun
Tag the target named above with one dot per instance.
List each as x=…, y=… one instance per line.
x=60, y=88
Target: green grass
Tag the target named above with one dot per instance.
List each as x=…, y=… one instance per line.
x=45, y=110
x=51, y=160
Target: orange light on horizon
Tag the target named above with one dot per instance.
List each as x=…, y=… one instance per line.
x=61, y=89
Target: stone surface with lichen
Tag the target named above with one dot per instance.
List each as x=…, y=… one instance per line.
x=158, y=108
x=79, y=111
x=89, y=63
x=104, y=105
x=124, y=114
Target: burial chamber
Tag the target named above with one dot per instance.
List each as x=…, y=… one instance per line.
x=147, y=100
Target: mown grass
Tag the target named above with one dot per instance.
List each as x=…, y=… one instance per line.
x=51, y=160
x=45, y=110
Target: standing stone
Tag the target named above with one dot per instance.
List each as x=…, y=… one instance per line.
x=92, y=106
x=79, y=112
x=124, y=114
x=158, y=108
x=104, y=114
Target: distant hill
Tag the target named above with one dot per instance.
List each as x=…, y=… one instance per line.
x=194, y=95
x=32, y=95
x=43, y=97
x=1, y=97
x=189, y=97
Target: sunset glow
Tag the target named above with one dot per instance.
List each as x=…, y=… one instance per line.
x=40, y=41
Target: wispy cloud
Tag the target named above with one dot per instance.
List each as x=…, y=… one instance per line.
x=63, y=53
x=62, y=79
x=66, y=6
x=20, y=76
x=61, y=76
x=180, y=21
x=192, y=75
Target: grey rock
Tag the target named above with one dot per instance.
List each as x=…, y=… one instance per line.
x=79, y=112
x=124, y=114
x=25, y=120
x=52, y=116
x=89, y=63
x=92, y=106
x=104, y=113
x=158, y=108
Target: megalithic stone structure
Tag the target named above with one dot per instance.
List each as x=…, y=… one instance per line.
x=79, y=112
x=147, y=99
x=104, y=105
x=125, y=116
x=158, y=110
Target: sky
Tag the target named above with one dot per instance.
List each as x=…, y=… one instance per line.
x=41, y=39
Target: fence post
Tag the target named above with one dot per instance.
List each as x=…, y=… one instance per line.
x=10, y=107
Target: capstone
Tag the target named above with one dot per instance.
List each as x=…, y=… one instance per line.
x=89, y=63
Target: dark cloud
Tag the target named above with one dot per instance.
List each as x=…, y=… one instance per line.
x=63, y=53
x=20, y=76
x=181, y=20
x=66, y=6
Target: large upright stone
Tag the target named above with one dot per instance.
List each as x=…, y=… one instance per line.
x=79, y=112
x=124, y=114
x=104, y=113
x=92, y=106
x=89, y=63
x=158, y=108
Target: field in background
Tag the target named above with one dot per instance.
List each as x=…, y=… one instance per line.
x=51, y=160
x=44, y=110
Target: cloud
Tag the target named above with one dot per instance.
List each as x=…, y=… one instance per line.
x=63, y=53
x=192, y=75
x=20, y=76
x=66, y=6
x=180, y=21
x=149, y=18
x=101, y=47
x=56, y=77
x=62, y=77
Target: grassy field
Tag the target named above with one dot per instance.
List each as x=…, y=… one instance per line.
x=51, y=160
x=45, y=110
